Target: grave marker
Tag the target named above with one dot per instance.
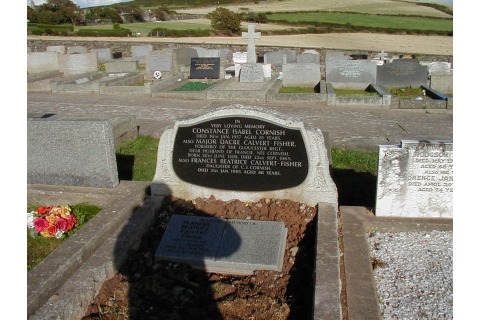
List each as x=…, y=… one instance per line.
x=78, y=63
x=71, y=153
x=205, y=68
x=402, y=72
x=240, y=152
x=251, y=35
x=415, y=179
x=232, y=246
x=301, y=74
x=347, y=72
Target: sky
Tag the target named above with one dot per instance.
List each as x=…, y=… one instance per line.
x=84, y=3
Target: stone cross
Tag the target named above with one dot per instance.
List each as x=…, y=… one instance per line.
x=382, y=55
x=251, y=35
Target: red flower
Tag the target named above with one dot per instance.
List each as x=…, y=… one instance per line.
x=62, y=224
x=40, y=224
x=71, y=221
x=43, y=210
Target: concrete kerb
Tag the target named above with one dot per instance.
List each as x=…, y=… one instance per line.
x=91, y=256
x=360, y=284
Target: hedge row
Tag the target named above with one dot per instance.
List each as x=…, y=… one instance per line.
x=117, y=32
x=161, y=32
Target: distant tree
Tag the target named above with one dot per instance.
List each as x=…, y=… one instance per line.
x=49, y=17
x=224, y=21
x=64, y=11
x=31, y=15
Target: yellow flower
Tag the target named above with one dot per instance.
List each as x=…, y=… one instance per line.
x=61, y=211
x=51, y=218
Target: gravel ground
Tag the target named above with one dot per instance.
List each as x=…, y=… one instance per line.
x=413, y=273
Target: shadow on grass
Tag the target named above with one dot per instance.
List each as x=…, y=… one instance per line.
x=355, y=188
x=125, y=166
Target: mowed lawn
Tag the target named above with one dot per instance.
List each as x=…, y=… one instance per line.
x=361, y=20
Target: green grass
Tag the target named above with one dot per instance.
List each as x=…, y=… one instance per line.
x=195, y=86
x=406, y=92
x=296, y=90
x=353, y=92
x=364, y=20
x=145, y=27
x=137, y=159
x=39, y=248
x=355, y=175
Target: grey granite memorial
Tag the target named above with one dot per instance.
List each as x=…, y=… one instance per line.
x=246, y=153
x=59, y=49
x=251, y=71
x=347, y=73
x=158, y=61
x=309, y=57
x=415, y=179
x=140, y=52
x=280, y=57
x=76, y=49
x=231, y=246
x=71, y=153
x=104, y=54
x=38, y=62
x=402, y=72
x=301, y=74
x=121, y=66
x=72, y=64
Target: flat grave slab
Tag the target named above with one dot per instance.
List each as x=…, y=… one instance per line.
x=232, y=246
x=415, y=179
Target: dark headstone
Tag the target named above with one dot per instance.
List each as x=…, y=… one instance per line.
x=117, y=55
x=402, y=72
x=238, y=153
x=205, y=68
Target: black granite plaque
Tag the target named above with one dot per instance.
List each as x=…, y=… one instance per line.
x=205, y=68
x=241, y=154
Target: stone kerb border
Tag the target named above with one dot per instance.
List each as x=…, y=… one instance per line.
x=317, y=187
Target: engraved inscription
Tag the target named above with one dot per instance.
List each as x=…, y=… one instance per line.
x=433, y=170
x=240, y=153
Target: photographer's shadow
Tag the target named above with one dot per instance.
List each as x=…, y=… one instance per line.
x=169, y=278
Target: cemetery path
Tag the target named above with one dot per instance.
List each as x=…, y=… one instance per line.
x=407, y=44
x=347, y=127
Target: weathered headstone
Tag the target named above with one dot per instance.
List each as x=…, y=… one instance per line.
x=120, y=66
x=280, y=57
x=71, y=153
x=240, y=57
x=252, y=72
x=140, y=52
x=158, y=61
x=205, y=68
x=42, y=61
x=231, y=246
x=402, y=72
x=104, y=54
x=306, y=57
x=59, y=49
x=76, y=50
x=415, y=179
x=183, y=56
x=245, y=153
x=300, y=74
x=71, y=64
x=348, y=72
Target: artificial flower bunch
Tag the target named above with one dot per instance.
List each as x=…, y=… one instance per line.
x=51, y=221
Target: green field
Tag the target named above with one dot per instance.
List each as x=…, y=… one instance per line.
x=362, y=20
x=145, y=27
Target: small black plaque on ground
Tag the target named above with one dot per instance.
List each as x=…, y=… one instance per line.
x=205, y=68
x=232, y=246
x=240, y=154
